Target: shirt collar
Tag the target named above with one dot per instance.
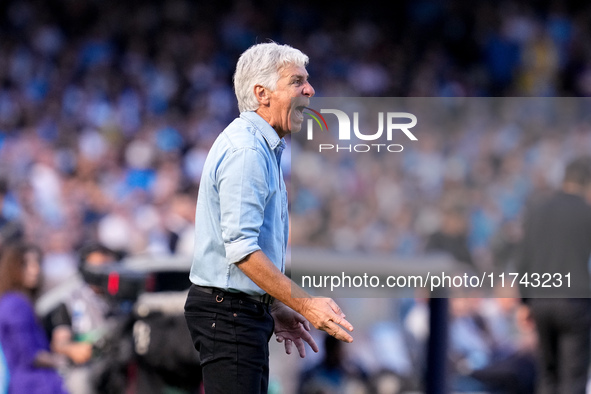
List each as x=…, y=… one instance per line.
x=265, y=128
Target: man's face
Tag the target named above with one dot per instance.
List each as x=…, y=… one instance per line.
x=288, y=101
x=32, y=270
x=97, y=259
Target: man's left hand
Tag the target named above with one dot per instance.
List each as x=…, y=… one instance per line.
x=292, y=328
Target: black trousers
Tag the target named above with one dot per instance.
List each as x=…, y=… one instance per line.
x=231, y=333
x=564, y=340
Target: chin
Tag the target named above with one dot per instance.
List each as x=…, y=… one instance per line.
x=295, y=127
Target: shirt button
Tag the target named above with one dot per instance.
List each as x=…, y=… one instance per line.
x=235, y=314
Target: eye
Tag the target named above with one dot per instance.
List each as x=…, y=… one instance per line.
x=298, y=81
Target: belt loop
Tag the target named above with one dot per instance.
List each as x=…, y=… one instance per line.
x=267, y=299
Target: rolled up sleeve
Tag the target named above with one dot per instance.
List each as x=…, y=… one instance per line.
x=243, y=188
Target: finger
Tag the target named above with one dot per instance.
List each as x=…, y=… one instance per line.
x=288, y=346
x=299, y=344
x=310, y=340
x=306, y=325
x=299, y=318
x=340, y=334
x=343, y=322
x=279, y=338
x=334, y=306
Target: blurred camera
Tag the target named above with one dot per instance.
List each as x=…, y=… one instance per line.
x=116, y=281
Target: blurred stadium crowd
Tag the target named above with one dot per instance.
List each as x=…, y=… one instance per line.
x=462, y=188
x=108, y=108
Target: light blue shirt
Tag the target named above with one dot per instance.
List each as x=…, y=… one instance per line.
x=241, y=206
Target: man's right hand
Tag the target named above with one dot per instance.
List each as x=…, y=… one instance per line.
x=325, y=314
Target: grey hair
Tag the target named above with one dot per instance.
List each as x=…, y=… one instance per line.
x=260, y=65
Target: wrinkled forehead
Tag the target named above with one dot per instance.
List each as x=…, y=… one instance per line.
x=293, y=71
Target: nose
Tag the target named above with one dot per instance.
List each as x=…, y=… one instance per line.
x=308, y=90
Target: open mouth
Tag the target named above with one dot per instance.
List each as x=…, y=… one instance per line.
x=299, y=110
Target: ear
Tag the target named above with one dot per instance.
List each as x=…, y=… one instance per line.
x=262, y=95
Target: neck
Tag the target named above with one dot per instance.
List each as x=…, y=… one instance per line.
x=267, y=117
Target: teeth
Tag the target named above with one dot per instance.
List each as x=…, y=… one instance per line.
x=299, y=113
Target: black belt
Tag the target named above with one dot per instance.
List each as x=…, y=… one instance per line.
x=264, y=299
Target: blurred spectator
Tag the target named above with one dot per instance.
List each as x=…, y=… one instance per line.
x=505, y=246
x=557, y=240
x=336, y=373
x=514, y=369
x=180, y=224
x=471, y=344
x=10, y=230
x=81, y=321
x=416, y=327
x=492, y=346
x=59, y=264
x=31, y=366
x=451, y=238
